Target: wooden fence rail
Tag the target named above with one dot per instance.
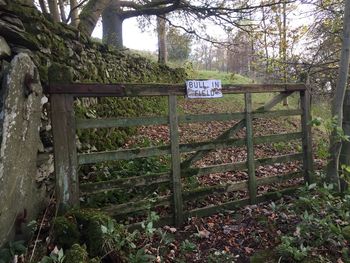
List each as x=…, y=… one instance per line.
x=67, y=160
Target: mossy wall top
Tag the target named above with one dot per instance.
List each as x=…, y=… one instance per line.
x=52, y=42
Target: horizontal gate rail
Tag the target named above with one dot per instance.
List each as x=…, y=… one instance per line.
x=240, y=166
x=130, y=122
x=209, y=210
x=279, y=178
x=118, y=184
x=193, y=195
x=139, y=90
x=128, y=154
x=161, y=178
x=115, y=123
x=202, y=192
x=137, y=206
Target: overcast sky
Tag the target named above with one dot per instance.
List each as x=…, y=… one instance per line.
x=133, y=38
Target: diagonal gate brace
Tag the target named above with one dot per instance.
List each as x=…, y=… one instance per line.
x=235, y=128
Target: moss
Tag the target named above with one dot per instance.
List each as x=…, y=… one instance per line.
x=66, y=231
x=77, y=254
x=267, y=256
x=90, y=222
x=346, y=233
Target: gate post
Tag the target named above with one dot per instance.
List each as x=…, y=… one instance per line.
x=306, y=131
x=175, y=161
x=252, y=187
x=65, y=155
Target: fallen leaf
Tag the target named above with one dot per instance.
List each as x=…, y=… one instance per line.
x=204, y=233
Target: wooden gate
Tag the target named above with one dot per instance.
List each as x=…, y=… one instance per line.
x=67, y=160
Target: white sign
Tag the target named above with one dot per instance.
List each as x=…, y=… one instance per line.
x=203, y=89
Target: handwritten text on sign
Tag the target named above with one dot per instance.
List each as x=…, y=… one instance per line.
x=203, y=89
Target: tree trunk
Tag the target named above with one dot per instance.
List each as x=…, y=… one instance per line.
x=162, y=48
x=62, y=12
x=338, y=102
x=267, y=65
x=90, y=15
x=344, y=157
x=74, y=13
x=112, y=24
x=43, y=6
x=284, y=46
x=53, y=7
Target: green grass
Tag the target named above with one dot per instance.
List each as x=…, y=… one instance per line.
x=226, y=78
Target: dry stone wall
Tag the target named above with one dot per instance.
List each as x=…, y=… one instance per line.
x=30, y=45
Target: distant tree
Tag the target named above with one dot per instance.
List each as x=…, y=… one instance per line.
x=114, y=12
x=178, y=45
x=335, y=150
x=162, y=40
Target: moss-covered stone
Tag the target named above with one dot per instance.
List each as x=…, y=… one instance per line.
x=64, y=49
x=82, y=227
x=76, y=254
x=90, y=222
x=66, y=231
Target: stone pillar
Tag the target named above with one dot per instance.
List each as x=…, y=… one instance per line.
x=20, y=120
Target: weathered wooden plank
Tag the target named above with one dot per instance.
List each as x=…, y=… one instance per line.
x=278, y=178
x=63, y=124
x=221, y=168
x=274, y=101
x=146, y=180
x=132, y=90
x=277, y=113
x=201, y=192
x=129, y=122
x=123, y=122
x=278, y=137
x=307, y=141
x=236, y=128
x=175, y=161
x=279, y=159
x=209, y=210
x=239, y=166
x=211, y=117
x=210, y=145
x=127, y=154
x=250, y=149
x=124, y=183
x=136, y=206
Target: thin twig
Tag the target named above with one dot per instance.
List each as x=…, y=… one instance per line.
x=41, y=226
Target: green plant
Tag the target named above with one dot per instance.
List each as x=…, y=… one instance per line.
x=289, y=249
x=322, y=215
x=221, y=256
x=116, y=237
x=12, y=249
x=331, y=126
x=282, y=146
x=148, y=225
x=188, y=246
x=140, y=257
x=56, y=256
